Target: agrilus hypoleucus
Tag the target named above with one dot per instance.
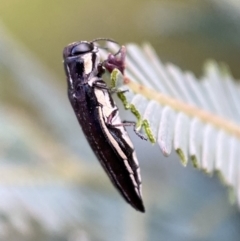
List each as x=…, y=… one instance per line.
x=98, y=116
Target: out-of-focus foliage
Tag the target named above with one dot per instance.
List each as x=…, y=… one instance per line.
x=51, y=186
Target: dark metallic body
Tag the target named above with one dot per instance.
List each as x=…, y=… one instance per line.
x=102, y=135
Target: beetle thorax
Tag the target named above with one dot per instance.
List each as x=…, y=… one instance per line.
x=90, y=62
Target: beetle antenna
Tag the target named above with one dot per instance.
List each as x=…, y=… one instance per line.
x=104, y=39
x=108, y=40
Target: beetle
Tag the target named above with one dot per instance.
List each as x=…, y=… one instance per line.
x=98, y=115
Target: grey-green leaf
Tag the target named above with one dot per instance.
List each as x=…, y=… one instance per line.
x=193, y=117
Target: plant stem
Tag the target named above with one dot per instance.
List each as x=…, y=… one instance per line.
x=189, y=110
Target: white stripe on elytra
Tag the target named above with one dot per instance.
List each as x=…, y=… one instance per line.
x=115, y=121
x=104, y=112
x=107, y=107
x=104, y=99
x=69, y=76
x=128, y=167
x=120, y=152
x=88, y=64
x=92, y=80
x=109, y=136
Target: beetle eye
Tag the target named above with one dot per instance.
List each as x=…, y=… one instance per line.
x=82, y=48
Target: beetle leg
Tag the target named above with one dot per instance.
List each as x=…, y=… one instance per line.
x=100, y=85
x=126, y=123
x=113, y=90
x=132, y=123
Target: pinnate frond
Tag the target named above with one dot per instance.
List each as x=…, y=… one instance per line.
x=198, y=118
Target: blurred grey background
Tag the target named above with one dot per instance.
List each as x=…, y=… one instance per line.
x=51, y=185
